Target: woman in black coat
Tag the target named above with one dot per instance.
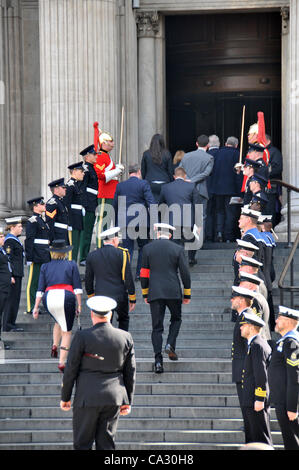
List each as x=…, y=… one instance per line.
x=156, y=165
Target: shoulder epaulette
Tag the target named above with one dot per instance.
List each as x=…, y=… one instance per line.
x=70, y=182
x=52, y=201
x=33, y=219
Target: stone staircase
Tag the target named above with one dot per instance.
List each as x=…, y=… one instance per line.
x=192, y=406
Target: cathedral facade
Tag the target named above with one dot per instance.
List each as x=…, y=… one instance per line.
x=65, y=64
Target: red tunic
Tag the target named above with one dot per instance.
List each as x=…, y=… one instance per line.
x=105, y=163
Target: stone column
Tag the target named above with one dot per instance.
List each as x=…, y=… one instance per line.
x=150, y=75
x=11, y=158
x=291, y=161
x=78, y=63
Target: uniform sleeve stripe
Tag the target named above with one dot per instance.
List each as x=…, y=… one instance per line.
x=51, y=214
x=144, y=272
x=259, y=392
x=145, y=291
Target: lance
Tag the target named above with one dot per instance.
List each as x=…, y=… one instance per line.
x=242, y=135
x=121, y=135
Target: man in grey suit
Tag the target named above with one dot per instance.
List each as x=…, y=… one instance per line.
x=101, y=361
x=198, y=166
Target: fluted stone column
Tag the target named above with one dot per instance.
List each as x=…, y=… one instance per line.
x=291, y=159
x=150, y=77
x=78, y=60
x=11, y=158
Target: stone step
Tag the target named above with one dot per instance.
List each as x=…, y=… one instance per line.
x=142, y=424
x=135, y=435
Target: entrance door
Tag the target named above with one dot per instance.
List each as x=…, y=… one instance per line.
x=215, y=64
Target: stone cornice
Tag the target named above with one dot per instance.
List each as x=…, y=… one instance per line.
x=210, y=6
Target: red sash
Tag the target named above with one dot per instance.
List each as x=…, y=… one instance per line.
x=61, y=286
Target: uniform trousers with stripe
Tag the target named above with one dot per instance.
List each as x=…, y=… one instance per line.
x=86, y=234
x=95, y=424
x=74, y=236
x=32, y=285
x=104, y=217
x=158, y=308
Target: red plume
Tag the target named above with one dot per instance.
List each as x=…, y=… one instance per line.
x=261, y=137
x=96, y=136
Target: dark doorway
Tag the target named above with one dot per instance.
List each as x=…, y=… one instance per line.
x=215, y=64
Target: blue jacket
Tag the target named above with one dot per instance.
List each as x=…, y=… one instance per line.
x=224, y=180
x=135, y=191
x=182, y=193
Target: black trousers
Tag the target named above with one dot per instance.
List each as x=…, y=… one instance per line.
x=289, y=429
x=257, y=425
x=122, y=311
x=158, y=308
x=12, y=304
x=95, y=424
x=3, y=300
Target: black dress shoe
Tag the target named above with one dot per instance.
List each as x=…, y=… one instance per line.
x=171, y=352
x=159, y=368
x=192, y=262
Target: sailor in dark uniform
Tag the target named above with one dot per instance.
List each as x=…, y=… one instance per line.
x=284, y=376
x=102, y=363
x=57, y=212
x=255, y=388
x=90, y=200
x=5, y=281
x=257, y=184
x=253, y=166
x=36, y=247
x=16, y=254
x=108, y=272
x=241, y=301
x=243, y=248
x=74, y=202
x=161, y=261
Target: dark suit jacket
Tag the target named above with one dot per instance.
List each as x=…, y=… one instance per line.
x=108, y=272
x=182, y=193
x=150, y=171
x=136, y=191
x=106, y=381
x=161, y=261
x=224, y=180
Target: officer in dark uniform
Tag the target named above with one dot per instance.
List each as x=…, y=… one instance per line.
x=161, y=261
x=255, y=388
x=16, y=254
x=257, y=184
x=5, y=280
x=90, y=200
x=74, y=202
x=284, y=376
x=241, y=301
x=101, y=361
x=57, y=212
x=275, y=172
x=36, y=247
x=108, y=272
x=255, y=164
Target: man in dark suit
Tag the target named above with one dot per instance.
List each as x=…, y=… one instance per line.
x=108, y=272
x=181, y=197
x=255, y=388
x=132, y=201
x=101, y=361
x=161, y=261
x=225, y=185
x=16, y=254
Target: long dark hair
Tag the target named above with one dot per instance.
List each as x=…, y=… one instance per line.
x=157, y=148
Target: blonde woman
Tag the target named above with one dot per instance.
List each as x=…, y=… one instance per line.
x=60, y=288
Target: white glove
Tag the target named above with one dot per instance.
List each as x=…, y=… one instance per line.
x=112, y=174
x=120, y=166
